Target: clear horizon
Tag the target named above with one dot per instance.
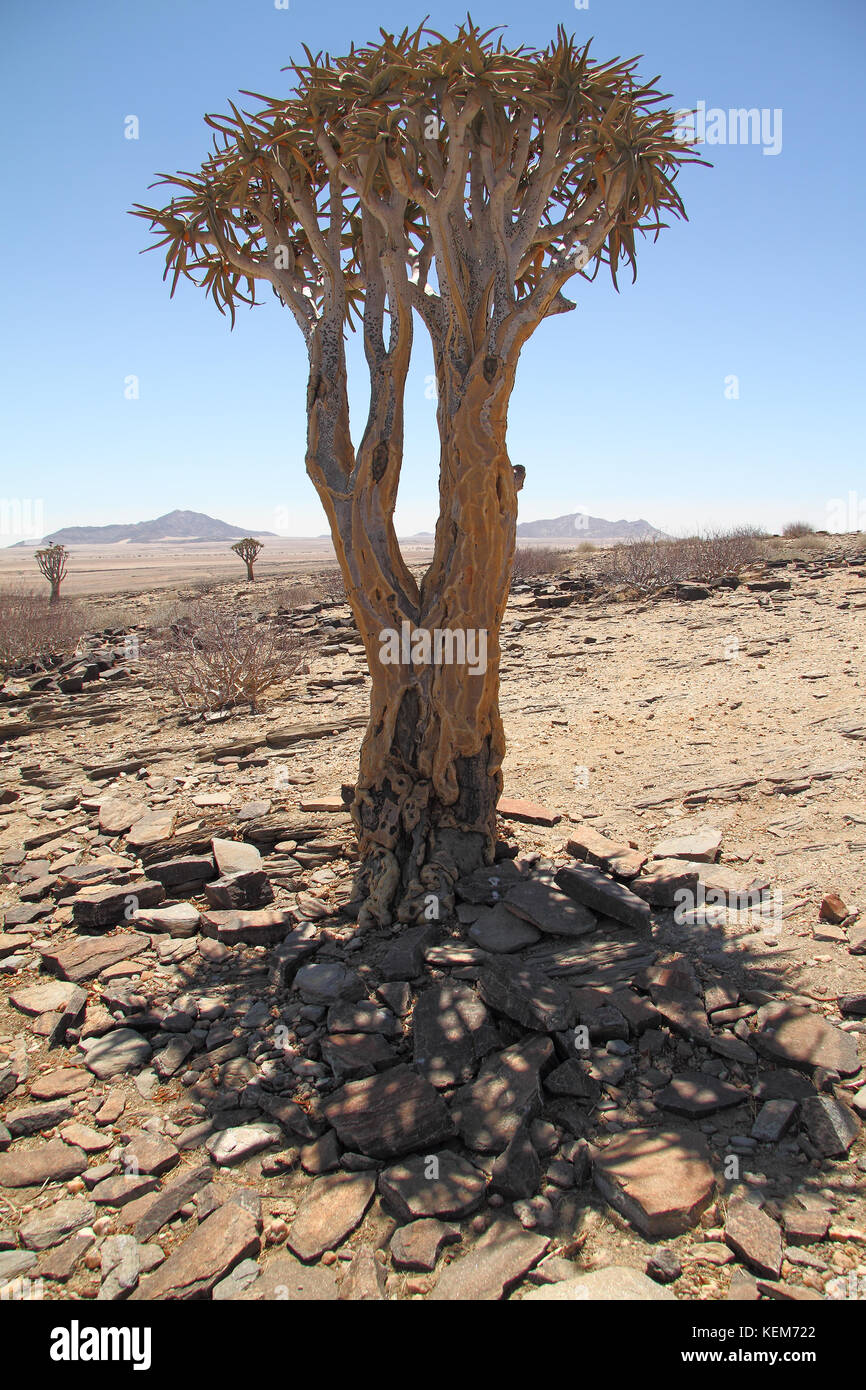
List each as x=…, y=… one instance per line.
x=720, y=389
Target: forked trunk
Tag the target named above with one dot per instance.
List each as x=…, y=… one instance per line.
x=431, y=760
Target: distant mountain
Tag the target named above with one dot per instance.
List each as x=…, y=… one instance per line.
x=174, y=526
x=581, y=527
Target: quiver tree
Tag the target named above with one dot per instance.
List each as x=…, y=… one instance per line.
x=52, y=562
x=466, y=183
x=248, y=548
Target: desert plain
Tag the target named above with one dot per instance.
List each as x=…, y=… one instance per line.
x=631, y=1063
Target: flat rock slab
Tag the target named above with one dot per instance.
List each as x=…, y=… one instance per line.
x=149, y=1153
x=234, y=1145
x=755, y=1237
x=330, y=1210
x=247, y=889
x=152, y=828
x=119, y=1191
x=288, y=1281
x=772, y=1120
x=443, y=1185
x=616, y=1284
x=697, y=1093
x=390, y=1114
x=485, y=1273
x=189, y=869
x=552, y=912
x=362, y=1017
x=32, y=1119
x=500, y=932
x=453, y=1033
x=255, y=926
x=593, y=889
x=52, y=997
x=50, y=1162
x=660, y=1180
x=795, y=1036
x=404, y=958
x=119, y=813
x=831, y=1125
x=327, y=982
x=65, y=1081
x=180, y=919
x=225, y=1238
x=105, y=907
x=235, y=856
x=527, y=996
x=119, y=1051
x=701, y=846
x=489, y=1111
x=417, y=1245
x=165, y=1205
x=364, y=1280
x=42, y=1229
x=84, y=959
x=530, y=812
x=351, y=1055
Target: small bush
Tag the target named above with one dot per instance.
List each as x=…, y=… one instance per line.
x=649, y=565
x=535, y=562
x=216, y=659
x=34, y=631
x=795, y=529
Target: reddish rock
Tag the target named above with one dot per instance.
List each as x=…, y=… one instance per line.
x=214, y=1248
x=513, y=808
x=84, y=959
x=390, y=1114
x=331, y=1209
x=497, y=1262
x=755, y=1237
x=51, y=1162
x=660, y=1180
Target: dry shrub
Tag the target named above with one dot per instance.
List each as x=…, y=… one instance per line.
x=326, y=587
x=534, y=562
x=795, y=529
x=216, y=658
x=649, y=565
x=36, y=632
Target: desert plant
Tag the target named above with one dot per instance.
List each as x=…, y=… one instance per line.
x=52, y=562
x=214, y=659
x=534, y=562
x=648, y=564
x=35, y=632
x=248, y=549
x=465, y=182
x=795, y=529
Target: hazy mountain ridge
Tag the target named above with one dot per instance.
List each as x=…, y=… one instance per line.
x=582, y=527
x=173, y=526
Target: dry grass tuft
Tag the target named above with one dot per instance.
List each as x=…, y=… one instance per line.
x=35, y=632
x=215, y=658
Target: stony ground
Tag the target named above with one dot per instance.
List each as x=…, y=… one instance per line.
x=631, y=1066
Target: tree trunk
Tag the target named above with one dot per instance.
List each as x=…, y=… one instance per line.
x=430, y=771
x=250, y=575
x=55, y=592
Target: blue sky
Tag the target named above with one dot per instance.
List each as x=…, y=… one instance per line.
x=625, y=407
